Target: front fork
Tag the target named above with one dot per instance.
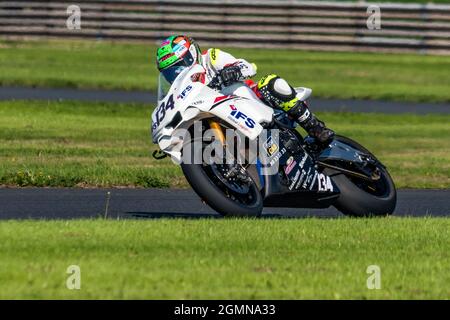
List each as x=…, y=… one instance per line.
x=217, y=129
x=235, y=170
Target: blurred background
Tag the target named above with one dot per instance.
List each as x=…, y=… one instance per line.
x=416, y=26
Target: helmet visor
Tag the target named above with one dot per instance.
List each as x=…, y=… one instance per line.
x=172, y=72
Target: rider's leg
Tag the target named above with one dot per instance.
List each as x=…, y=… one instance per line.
x=279, y=94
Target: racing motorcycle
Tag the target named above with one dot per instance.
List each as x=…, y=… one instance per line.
x=287, y=170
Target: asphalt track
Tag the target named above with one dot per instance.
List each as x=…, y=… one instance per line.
x=20, y=93
x=48, y=203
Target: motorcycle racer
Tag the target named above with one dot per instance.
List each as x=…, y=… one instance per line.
x=182, y=51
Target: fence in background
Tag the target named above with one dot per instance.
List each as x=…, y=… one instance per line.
x=309, y=25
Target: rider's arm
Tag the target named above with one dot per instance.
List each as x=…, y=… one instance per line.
x=218, y=60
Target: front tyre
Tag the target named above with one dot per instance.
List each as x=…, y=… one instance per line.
x=231, y=196
x=227, y=202
x=362, y=199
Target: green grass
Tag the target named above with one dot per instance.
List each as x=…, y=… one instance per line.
x=78, y=144
x=222, y=259
x=96, y=64
x=99, y=144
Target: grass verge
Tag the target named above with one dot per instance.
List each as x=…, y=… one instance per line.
x=98, y=144
x=97, y=64
x=223, y=259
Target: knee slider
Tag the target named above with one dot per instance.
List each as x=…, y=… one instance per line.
x=277, y=92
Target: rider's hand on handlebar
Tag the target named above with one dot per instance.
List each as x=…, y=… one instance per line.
x=216, y=82
x=230, y=75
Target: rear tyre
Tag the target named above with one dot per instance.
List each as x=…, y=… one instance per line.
x=357, y=199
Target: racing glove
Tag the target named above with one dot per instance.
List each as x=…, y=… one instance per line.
x=230, y=75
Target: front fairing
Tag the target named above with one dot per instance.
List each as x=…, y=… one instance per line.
x=174, y=99
x=188, y=100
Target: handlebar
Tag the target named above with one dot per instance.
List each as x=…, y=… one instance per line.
x=216, y=82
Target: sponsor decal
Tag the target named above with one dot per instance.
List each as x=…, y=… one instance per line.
x=242, y=65
x=213, y=56
x=289, y=160
x=304, y=116
x=308, y=179
x=245, y=69
x=185, y=92
x=313, y=181
x=237, y=115
x=300, y=180
x=180, y=48
x=302, y=162
x=270, y=146
x=277, y=156
x=166, y=57
x=196, y=103
x=324, y=183
x=290, y=164
x=294, y=180
x=181, y=51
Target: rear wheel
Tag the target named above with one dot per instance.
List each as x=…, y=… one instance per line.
x=360, y=197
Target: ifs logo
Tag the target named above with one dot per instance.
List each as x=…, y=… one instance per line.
x=238, y=115
x=184, y=93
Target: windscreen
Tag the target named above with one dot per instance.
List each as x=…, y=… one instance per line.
x=166, y=78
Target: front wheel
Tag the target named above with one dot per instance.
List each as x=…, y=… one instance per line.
x=231, y=193
x=228, y=201
x=360, y=198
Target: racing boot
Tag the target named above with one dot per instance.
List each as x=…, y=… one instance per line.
x=279, y=94
x=308, y=121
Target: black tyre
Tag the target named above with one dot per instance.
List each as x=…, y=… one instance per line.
x=358, y=199
x=230, y=200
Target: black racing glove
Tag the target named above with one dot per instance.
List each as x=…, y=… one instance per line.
x=230, y=75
